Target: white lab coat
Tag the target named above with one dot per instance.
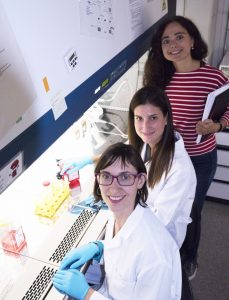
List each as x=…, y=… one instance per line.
x=142, y=261
x=171, y=199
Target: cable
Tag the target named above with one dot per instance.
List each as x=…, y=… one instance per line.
x=117, y=91
x=122, y=134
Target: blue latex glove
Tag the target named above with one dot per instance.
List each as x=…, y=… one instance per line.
x=71, y=282
x=70, y=166
x=76, y=258
x=89, y=199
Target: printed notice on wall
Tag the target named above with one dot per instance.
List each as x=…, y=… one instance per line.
x=136, y=17
x=17, y=92
x=96, y=18
x=141, y=15
x=153, y=11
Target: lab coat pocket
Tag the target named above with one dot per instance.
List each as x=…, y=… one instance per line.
x=124, y=282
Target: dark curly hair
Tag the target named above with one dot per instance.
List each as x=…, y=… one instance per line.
x=158, y=70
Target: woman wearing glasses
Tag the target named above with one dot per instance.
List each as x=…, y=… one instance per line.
x=141, y=259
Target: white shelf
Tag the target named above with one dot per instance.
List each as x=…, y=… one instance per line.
x=219, y=189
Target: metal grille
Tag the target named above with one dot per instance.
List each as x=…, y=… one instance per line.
x=72, y=235
x=40, y=284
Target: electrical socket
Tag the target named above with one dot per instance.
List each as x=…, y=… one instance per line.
x=11, y=171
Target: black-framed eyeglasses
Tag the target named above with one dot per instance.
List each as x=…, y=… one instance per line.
x=124, y=179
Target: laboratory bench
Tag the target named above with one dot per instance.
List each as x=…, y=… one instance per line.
x=29, y=276
x=26, y=272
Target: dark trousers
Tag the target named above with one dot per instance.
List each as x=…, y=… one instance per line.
x=186, y=292
x=205, y=167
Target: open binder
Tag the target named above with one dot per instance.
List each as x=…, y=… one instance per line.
x=215, y=107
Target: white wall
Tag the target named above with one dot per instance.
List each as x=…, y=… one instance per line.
x=211, y=18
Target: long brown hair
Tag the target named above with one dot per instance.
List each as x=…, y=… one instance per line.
x=158, y=70
x=161, y=158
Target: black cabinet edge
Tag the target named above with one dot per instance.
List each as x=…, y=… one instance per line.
x=220, y=181
x=219, y=200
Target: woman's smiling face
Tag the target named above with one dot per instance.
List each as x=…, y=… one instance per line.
x=176, y=43
x=149, y=123
x=121, y=199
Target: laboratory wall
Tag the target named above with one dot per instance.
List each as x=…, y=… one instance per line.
x=212, y=19
x=55, y=63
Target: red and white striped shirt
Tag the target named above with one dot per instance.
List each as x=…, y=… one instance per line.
x=188, y=93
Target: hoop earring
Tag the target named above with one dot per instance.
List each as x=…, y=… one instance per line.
x=98, y=191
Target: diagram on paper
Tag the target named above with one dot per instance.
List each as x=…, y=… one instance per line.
x=96, y=18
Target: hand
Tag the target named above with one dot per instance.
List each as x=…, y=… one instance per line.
x=76, y=258
x=70, y=166
x=89, y=200
x=207, y=126
x=71, y=282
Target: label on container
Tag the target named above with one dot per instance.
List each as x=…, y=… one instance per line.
x=19, y=236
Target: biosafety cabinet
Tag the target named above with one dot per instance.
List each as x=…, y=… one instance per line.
x=57, y=60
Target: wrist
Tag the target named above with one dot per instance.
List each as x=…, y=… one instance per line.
x=89, y=294
x=99, y=251
x=89, y=160
x=220, y=127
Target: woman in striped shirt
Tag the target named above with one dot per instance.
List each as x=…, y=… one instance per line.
x=176, y=64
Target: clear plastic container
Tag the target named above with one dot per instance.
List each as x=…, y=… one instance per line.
x=75, y=188
x=12, y=237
